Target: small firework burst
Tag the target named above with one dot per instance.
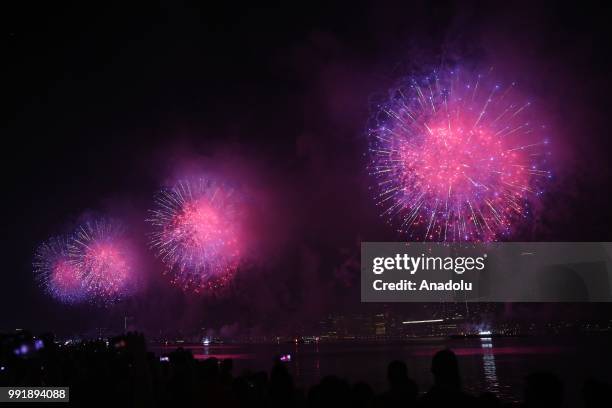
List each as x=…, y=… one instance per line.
x=197, y=233
x=56, y=273
x=102, y=254
x=457, y=157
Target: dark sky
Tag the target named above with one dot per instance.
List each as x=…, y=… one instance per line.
x=105, y=102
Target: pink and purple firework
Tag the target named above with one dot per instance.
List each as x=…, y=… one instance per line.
x=198, y=233
x=55, y=272
x=102, y=253
x=457, y=158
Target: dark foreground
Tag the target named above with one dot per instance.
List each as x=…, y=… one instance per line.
x=122, y=371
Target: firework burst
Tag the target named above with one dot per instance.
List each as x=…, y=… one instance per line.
x=101, y=252
x=198, y=233
x=56, y=273
x=456, y=158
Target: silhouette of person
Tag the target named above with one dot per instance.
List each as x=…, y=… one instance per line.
x=543, y=390
x=402, y=390
x=446, y=391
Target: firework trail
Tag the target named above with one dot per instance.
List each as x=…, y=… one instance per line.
x=197, y=232
x=456, y=158
x=101, y=252
x=55, y=272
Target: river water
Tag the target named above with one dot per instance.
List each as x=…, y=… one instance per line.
x=498, y=365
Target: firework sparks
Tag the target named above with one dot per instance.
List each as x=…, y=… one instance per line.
x=55, y=272
x=456, y=158
x=198, y=233
x=101, y=253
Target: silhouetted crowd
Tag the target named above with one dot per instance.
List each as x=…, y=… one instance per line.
x=122, y=373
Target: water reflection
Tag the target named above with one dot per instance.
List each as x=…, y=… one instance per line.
x=297, y=361
x=317, y=363
x=498, y=365
x=488, y=364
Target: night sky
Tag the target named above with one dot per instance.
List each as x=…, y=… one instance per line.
x=108, y=102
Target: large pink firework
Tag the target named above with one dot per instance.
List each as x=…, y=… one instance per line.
x=457, y=157
x=55, y=272
x=198, y=232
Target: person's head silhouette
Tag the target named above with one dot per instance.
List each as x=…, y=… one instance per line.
x=543, y=390
x=445, y=369
x=397, y=374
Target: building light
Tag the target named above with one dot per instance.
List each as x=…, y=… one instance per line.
x=423, y=321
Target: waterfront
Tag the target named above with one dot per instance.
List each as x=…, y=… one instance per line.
x=498, y=365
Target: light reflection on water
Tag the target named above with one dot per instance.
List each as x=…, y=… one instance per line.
x=498, y=365
x=488, y=365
